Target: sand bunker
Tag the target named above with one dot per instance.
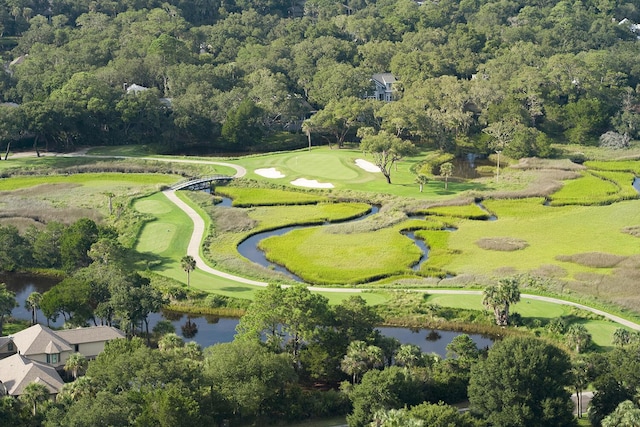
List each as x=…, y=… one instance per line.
x=269, y=173
x=367, y=166
x=312, y=183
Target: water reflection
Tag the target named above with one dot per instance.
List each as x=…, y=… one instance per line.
x=210, y=329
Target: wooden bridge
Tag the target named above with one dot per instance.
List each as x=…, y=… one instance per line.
x=201, y=183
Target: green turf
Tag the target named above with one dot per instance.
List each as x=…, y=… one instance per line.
x=166, y=238
x=337, y=166
x=96, y=180
x=549, y=231
x=320, y=256
x=267, y=196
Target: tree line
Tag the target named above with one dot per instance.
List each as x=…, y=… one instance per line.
x=474, y=76
x=282, y=352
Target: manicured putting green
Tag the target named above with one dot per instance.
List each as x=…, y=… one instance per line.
x=321, y=165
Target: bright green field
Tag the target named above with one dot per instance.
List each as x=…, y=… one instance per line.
x=103, y=181
x=601, y=330
x=337, y=166
x=354, y=258
x=549, y=231
x=166, y=238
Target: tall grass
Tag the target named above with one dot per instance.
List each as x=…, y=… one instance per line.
x=246, y=197
x=326, y=258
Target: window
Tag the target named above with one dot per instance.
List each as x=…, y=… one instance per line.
x=10, y=347
x=76, y=347
x=53, y=358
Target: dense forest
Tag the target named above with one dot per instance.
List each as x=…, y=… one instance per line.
x=473, y=75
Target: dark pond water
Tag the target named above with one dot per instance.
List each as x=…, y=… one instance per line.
x=209, y=330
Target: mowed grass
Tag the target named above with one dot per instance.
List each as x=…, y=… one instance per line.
x=338, y=167
x=94, y=180
x=165, y=239
x=601, y=330
x=549, y=232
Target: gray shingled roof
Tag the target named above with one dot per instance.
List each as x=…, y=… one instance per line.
x=17, y=372
x=39, y=339
x=92, y=334
x=385, y=78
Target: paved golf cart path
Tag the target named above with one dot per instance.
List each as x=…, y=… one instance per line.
x=199, y=231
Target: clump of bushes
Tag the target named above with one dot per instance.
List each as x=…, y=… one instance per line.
x=614, y=140
x=506, y=244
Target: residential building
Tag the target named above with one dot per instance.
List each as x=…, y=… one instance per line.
x=17, y=372
x=42, y=344
x=385, y=87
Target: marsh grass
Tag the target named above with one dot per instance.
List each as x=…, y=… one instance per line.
x=471, y=211
x=593, y=259
x=326, y=258
x=506, y=244
x=633, y=230
x=547, y=164
x=248, y=197
x=588, y=189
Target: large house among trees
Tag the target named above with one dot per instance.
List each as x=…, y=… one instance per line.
x=37, y=353
x=385, y=87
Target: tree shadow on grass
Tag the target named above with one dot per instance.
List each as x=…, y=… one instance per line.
x=236, y=289
x=149, y=261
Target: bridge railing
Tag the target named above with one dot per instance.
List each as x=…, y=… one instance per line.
x=194, y=181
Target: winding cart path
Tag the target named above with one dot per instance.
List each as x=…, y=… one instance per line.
x=199, y=232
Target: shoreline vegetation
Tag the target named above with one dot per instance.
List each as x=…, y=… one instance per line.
x=448, y=212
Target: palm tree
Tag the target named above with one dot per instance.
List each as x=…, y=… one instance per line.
x=500, y=297
x=446, y=170
x=170, y=341
x=422, y=180
x=408, y=355
x=621, y=337
x=188, y=265
x=578, y=337
x=76, y=363
x=361, y=358
x=32, y=303
x=33, y=394
x=110, y=196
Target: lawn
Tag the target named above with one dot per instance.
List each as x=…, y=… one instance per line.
x=337, y=166
x=164, y=242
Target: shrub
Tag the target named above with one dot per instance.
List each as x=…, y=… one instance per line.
x=614, y=140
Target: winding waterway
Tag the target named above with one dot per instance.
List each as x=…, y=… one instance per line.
x=210, y=330
x=249, y=248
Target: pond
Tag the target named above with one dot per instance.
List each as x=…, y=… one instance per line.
x=209, y=330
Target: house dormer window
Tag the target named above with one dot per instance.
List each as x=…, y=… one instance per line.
x=10, y=347
x=53, y=358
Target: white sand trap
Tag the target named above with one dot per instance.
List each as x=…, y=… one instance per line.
x=367, y=166
x=312, y=183
x=269, y=173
